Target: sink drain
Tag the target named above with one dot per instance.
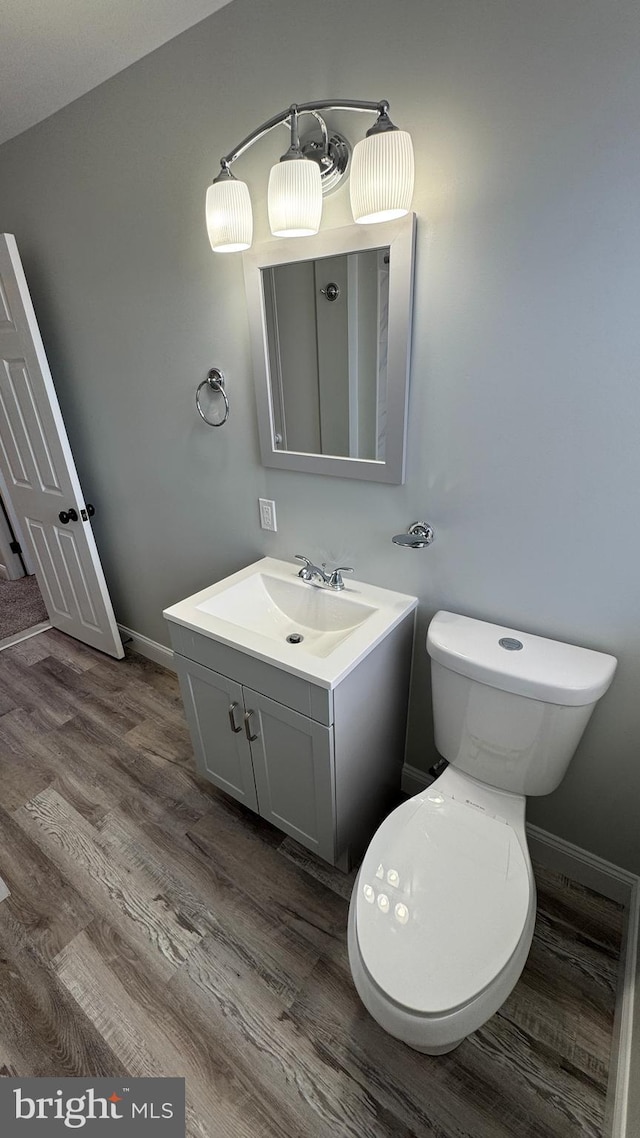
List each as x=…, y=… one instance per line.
x=295, y=638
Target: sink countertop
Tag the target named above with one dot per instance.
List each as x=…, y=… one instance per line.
x=388, y=608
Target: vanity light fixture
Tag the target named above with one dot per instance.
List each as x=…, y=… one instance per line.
x=295, y=191
x=381, y=177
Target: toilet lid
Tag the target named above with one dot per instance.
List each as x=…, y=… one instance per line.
x=443, y=897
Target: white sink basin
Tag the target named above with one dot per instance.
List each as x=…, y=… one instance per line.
x=279, y=608
x=312, y=631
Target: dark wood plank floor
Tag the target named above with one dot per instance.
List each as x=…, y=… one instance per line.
x=156, y=927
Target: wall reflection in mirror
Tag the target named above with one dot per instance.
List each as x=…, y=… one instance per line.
x=327, y=335
x=330, y=323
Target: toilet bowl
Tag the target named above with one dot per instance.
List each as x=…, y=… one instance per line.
x=442, y=912
x=443, y=908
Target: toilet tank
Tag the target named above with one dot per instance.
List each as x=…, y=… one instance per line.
x=510, y=708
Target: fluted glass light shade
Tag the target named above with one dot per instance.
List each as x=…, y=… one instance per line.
x=229, y=215
x=382, y=174
x=295, y=198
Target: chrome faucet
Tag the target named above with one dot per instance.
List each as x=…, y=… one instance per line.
x=311, y=572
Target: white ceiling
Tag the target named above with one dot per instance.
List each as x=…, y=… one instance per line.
x=53, y=51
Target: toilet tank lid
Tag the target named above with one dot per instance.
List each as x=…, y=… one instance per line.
x=542, y=669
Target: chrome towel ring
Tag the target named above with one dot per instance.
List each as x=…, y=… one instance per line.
x=215, y=382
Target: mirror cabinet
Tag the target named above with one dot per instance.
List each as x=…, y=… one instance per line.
x=330, y=321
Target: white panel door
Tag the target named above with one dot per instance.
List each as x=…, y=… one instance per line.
x=40, y=474
x=10, y=563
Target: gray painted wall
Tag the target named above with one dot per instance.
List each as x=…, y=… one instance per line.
x=523, y=448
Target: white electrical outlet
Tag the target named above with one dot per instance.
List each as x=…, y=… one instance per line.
x=267, y=514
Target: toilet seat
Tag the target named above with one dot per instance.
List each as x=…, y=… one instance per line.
x=443, y=900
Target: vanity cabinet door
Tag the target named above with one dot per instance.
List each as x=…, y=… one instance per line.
x=215, y=714
x=293, y=768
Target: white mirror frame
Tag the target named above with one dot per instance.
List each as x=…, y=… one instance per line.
x=399, y=236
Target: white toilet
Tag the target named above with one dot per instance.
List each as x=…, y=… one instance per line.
x=443, y=908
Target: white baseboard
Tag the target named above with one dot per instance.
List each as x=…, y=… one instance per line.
x=414, y=780
x=582, y=866
x=159, y=653
x=619, y=885
x=625, y=1054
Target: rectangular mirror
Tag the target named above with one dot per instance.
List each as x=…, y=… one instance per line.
x=330, y=320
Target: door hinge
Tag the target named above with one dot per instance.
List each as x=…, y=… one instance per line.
x=15, y=547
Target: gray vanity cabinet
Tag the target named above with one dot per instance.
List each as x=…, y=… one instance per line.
x=323, y=765
x=274, y=760
x=215, y=711
x=293, y=769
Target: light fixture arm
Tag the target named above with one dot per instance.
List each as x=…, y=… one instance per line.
x=294, y=150
x=381, y=108
x=323, y=127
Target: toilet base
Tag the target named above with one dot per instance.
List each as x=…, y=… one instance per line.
x=436, y=1034
x=437, y=1050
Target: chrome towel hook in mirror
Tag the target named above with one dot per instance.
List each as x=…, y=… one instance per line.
x=215, y=383
x=331, y=291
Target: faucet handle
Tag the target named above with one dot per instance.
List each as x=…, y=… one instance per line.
x=306, y=571
x=335, y=577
